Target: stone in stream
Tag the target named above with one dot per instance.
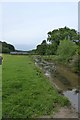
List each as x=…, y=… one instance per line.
x=76, y=91
x=46, y=67
x=53, y=69
x=70, y=89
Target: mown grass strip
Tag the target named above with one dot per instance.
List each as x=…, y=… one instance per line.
x=27, y=93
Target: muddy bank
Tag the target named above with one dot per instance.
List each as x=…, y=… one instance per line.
x=66, y=113
x=63, y=113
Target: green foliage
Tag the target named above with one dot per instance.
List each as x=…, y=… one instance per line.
x=75, y=64
x=0, y=47
x=78, y=50
x=51, y=49
x=41, y=49
x=55, y=37
x=64, y=44
x=26, y=91
x=7, y=48
x=46, y=49
x=61, y=34
x=66, y=50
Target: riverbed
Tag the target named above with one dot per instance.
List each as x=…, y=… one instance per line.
x=66, y=82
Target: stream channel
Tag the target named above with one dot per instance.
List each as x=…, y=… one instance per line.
x=66, y=82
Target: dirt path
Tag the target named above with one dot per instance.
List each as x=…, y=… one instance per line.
x=66, y=113
x=63, y=112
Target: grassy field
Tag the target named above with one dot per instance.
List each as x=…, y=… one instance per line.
x=0, y=91
x=27, y=93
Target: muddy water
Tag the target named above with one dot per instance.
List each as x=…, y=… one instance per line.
x=63, y=79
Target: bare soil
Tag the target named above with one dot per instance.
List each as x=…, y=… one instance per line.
x=66, y=113
x=63, y=112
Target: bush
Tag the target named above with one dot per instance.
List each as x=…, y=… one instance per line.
x=75, y=63
x=66, y=50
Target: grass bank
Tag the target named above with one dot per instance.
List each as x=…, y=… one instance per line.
x=0, y=91
x=27, y=93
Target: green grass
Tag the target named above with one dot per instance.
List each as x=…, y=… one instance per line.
x=0, y=91
x=27, y=93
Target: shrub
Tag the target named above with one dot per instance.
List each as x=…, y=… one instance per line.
x=66, y=50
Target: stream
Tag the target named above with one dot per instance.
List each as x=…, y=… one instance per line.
x=66, y=82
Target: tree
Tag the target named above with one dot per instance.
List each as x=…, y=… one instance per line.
x=41, y=49
x=54, y=38
x=7, y=48
x=61, y=34
x=51, y=49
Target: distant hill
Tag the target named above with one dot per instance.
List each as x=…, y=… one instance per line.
x=6, y=48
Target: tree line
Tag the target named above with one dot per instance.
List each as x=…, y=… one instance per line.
x=6, y=48
x=63, y=45
x=55, y=37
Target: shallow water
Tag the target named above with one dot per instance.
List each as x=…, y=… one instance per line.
x=73, y=97
x=63, y=79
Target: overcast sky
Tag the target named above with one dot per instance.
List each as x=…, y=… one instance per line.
x=26, y=24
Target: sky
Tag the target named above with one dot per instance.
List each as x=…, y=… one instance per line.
x=79, y=16
x=26, y=24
